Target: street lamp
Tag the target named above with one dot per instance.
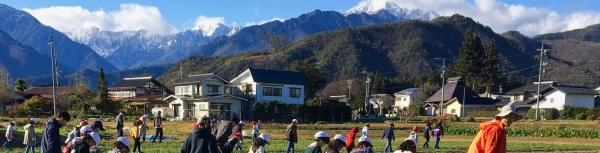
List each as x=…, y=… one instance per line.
x=349, y=90
x=367, y=93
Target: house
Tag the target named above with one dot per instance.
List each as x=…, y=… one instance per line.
x=142, y=92
x=204, y=95
x=405, y=98
x=455, y=106
x=454, y=90
x=46, y=92
x=12, y=98
x=554, y=95
x=260, y=85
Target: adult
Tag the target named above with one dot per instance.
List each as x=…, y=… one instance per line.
x=438, y=132
x=97, y=126
x=338, y=142
x=119, y=122
x=388, y=134
x=259, y=144
x=364, y=145
x=492, y=135
x=29, y=138
x=350, y=138
x=365, y=130
x=426, y=134
x=255, y=130
x=143, y=127
x=321, y=139
x=200, y=140
x=224, y=131
x=291, y=135
x=51, y=135
x=158, y=127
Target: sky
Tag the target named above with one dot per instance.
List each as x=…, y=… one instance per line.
x=530, y=17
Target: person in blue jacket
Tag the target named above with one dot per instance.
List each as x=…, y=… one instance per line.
x=51, y=136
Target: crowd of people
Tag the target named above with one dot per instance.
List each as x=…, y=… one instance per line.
x=207, y=137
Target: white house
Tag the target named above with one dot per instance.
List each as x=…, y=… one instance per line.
x=143, y=93
x=554, y=95
x=405, y=97
x=271, y=85
x=204, y=95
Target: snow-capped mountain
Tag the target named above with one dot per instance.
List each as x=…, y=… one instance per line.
x=127, y=49
x=392, y=9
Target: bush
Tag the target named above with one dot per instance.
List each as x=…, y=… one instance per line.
x=593, y=114
x=320, y=122
x=545, y=113
x=580, y=116
x=570, y=112
x=483, y=113
x=471, y=119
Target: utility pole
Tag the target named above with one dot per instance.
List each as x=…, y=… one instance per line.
x=54, y=67
x=462, y=112
x=349, y=90
x=367, y=93
x=181, y=70
x=443, y=83
x=537, y=109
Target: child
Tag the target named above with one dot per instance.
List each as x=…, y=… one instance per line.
x=135, y=133
x=364, y=145
x=255, y=130
x=9, y=135
x=426, y=134
x=408, y=146
x=339, y=142
x=365, y=130
x=321, y=138
x=437, y=133
x=231, y=143
x=120, y=146
x=259, y=144
x=414, y=135
x=29, y=138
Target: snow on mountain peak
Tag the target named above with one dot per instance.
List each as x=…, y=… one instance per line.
x=377, y=7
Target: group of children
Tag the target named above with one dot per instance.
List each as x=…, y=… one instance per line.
x=29, y=139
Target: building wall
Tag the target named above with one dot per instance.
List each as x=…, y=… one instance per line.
x=458, y=109
x=285, y=93
x=215, y=81
x=182, y=104
x=553, y=99
x=580, y=100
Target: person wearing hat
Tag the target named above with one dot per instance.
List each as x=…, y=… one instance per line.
x=255, y=130
x=426, y=134
x=414, y=135
x=225, y=130
x=438, y=132
x=291, y=135
x=365, y=130
x=94, y=147
x=350, y=137
x=232, y=143
x=339, y=142
x=200, y=140
x=9, y=135
x=88, y=141
x=259, y=144
x=135, y=134
x=388, y=134
x=97, y=126
x=51, y=136
x=120, y=146
x=492, y=135
x=364, y=145
x=321, y=138
x=143, y=127
x=29, y=136
x=119, y=123
x=408, y=146
x=238, y=128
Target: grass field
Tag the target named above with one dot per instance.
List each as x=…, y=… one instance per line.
x=450, y=143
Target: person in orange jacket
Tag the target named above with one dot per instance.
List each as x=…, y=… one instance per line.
x=491, y=137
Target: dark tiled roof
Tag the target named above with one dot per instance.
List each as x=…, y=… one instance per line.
x=279, y=77
x=531, y=88
x=480, y=101
x=454, y=89
x=47, y=90
x=576, y=90
x=545, y=87
x=131, y=82
x=194, y=78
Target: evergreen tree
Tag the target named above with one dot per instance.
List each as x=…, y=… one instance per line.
x=492, y=69
x=104, y=103
x=20, y=85
x=471, y=60
x=316, y=81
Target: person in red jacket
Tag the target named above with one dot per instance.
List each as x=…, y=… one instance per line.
x=350, y=138
x=491, y=137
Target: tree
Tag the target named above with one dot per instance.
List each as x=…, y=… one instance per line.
x=470, y=60
x=20, y=85
x=82, y=97
x=104, y=103
x=36, y=105
x=316, y=81
x=492, y=70
x=4, y=83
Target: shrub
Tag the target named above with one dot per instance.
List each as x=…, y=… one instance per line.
x=545, y=113
x=593, y=114
x=483, y=113
x=570, y=112
x=471, y=119
x=580, y=116
x=320, y=122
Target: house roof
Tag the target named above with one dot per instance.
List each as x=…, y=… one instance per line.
x=454, y=89
x=576, y=90
x=198, y=78
x=408, y=91
x=206, y=97
x=130, y=83
x=47, y=90
x=532, y=87
x=279, y=77
x=547, y=86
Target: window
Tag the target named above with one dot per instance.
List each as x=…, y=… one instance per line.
x=551, y=100
x=295, y=92
x=192, y=109
x=270, y=91
x=403, y=99
x=453, y=111
x=213, y=88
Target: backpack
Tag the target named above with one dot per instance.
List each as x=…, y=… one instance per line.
x=436, y=132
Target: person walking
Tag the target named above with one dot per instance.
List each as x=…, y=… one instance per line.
x=224, y=131
x=255, y=130
x=200, y=140
x=29, y=138
x=491, y=137
x=338, y=142
x=51, y=135
x=239, y=127
x=119, y=123
x=388, y=134
x=321, y=139
x=364, y=145
x=135, y=134
x=414, y=134
x=158, y=127
x=426, y=134
x=143, y=127
x=350, y=137
x=291, y=135
x=437, y=133
x=9, y=135
x=365, y=130
x=259, y=144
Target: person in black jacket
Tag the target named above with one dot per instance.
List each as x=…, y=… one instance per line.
x=426, y=134
x=224, y=131
x=84, y=145
x=200, y=140
x=51, y=136
x=388, y=134
x=119, y=123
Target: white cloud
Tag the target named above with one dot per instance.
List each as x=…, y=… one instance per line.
x=500, y=16
x=263, y=21
x=203, y=21
x=129, y=17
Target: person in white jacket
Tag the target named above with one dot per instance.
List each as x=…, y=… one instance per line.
x=259, y=144
x=29, y=139
x=9, y=135
x=365, y=130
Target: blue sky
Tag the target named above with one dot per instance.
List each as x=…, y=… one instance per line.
x=528, y=16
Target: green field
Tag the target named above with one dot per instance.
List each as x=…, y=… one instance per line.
x=449, y=143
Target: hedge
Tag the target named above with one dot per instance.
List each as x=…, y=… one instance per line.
x=546, y=113
x=483, y=113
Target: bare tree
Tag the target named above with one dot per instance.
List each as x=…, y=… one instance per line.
x=4, y=84
x=382, y=101
x=410, y=113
